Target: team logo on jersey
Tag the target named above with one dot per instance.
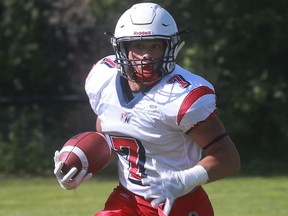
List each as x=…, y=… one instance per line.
x=153, y=106
x=194, y=213
x=125, y=117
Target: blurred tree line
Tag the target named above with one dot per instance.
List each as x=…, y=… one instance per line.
x=48, y=47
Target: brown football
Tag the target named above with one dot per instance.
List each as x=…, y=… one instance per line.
x=87, y=150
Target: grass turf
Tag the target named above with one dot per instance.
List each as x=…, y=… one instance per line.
x=253, y=196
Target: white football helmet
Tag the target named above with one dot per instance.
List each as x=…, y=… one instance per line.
x=146, y=21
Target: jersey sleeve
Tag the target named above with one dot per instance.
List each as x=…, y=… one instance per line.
x=99, y=76
x=197, y=106
x=189, y=100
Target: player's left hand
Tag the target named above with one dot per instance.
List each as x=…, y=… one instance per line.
x=171, y=185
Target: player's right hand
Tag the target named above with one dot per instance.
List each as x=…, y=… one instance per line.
x=69, y=181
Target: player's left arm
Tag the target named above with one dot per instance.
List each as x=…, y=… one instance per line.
x=222, y=158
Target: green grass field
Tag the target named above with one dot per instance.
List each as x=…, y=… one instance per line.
x=252, y=196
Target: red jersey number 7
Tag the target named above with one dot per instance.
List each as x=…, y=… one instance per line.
x=133, y=151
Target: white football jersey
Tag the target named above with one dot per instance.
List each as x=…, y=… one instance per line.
x=153, y=123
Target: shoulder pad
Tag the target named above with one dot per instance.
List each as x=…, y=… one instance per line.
x=187, y=98
x=100, y=74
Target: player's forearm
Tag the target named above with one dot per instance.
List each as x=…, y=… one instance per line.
x=221, y=161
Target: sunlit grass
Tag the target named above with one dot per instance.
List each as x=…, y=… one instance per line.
x=38, y=196
x=253, y=196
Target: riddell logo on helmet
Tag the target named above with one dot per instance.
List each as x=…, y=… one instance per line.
x=142, y=32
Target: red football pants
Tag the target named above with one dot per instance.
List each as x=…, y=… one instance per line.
x=122, y=202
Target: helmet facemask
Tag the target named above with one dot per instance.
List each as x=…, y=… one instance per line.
x=161, y=66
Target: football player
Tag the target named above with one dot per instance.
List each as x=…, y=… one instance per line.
x=159, y=118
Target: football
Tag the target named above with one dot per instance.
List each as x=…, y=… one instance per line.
x=87, y=150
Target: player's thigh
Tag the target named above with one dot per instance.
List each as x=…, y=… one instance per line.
x=119, y=203
x=196, y=203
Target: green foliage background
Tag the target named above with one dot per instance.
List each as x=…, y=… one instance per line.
x=48, y=47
